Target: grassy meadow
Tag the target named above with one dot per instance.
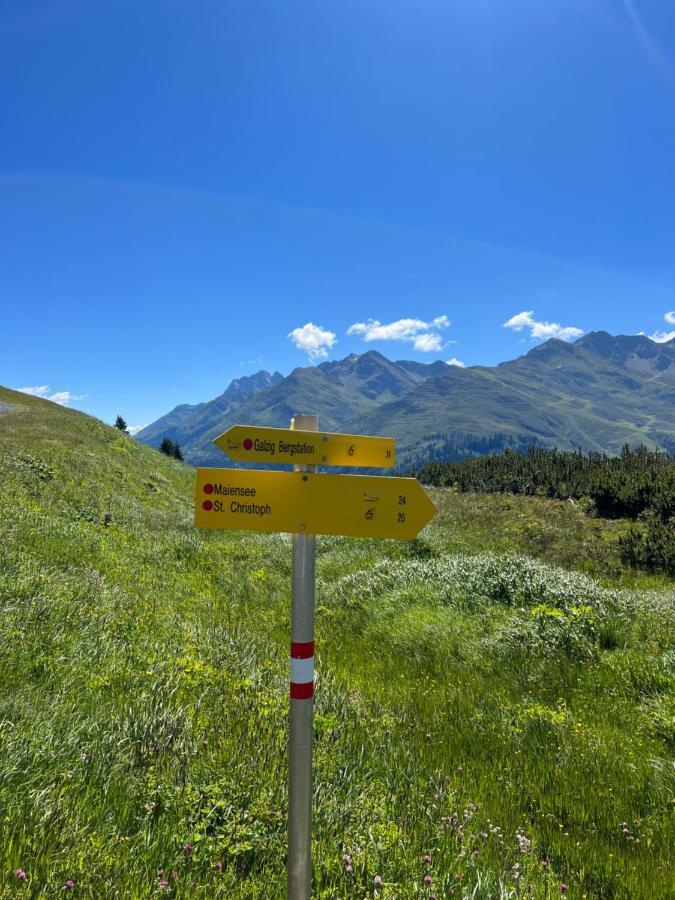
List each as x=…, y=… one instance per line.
x=495, y=703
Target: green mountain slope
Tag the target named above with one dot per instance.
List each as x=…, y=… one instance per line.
x=595, y=394
x=479, y=706
x=337, y=391
x=187, y=424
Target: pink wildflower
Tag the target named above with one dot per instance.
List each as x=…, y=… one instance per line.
x=377, y=880
x=70, y=884
x=426, y=858
x=20, y=874
x=427, y=879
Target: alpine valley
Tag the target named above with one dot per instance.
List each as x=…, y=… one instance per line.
x=595, y=394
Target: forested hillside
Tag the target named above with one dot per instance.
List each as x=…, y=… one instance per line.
x=637, y=484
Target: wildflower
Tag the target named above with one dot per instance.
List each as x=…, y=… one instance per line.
x=160, y=872
x=475, y=854
x=163, y=884
x=346, y=859
x=524, y=844
x=563, y=886
x=70, y=884
x=377, y=880
x=218, y=866
x=348, y=869
x=188, y=849
x=545, y=864
x=458, y=876
x=427, y=879
x=460, y=769
x=20, y=874
x=426, y=858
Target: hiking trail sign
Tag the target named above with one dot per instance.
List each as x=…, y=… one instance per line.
x=306, y=503
x=309, y=503
x=246, y=443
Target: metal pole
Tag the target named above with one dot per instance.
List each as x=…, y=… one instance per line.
x=299, y=868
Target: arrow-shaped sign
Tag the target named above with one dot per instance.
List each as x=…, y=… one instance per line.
x=311, y=503
x=248, y=443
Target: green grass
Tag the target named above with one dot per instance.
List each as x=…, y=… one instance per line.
x=501, y=686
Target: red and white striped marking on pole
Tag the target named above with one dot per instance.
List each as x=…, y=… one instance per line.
x=302, y=670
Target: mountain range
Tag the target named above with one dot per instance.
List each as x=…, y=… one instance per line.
x=597, y=393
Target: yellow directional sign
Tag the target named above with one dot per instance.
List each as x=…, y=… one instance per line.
x=248, y=443
x=311, y=503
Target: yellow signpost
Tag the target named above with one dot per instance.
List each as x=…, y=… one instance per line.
x=248, y=443
x=310, y=503
x=307, y=503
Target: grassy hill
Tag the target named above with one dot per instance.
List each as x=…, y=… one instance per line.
x=497, y=694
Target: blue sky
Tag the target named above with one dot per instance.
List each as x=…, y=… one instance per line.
x=186, y=186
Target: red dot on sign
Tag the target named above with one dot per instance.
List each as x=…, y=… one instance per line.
x=248, y=443
x=208, y=488
x=207, y=505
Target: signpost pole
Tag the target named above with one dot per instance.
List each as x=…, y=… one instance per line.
x=299, y=867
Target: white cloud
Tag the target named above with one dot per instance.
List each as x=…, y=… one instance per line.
x=134, y=429
x=456, y=362
x=662, y=337
x=63, y=398
x=39, y=391
x=427, y=343
x=313, y=339
x=542, y=330
x=422, y=335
